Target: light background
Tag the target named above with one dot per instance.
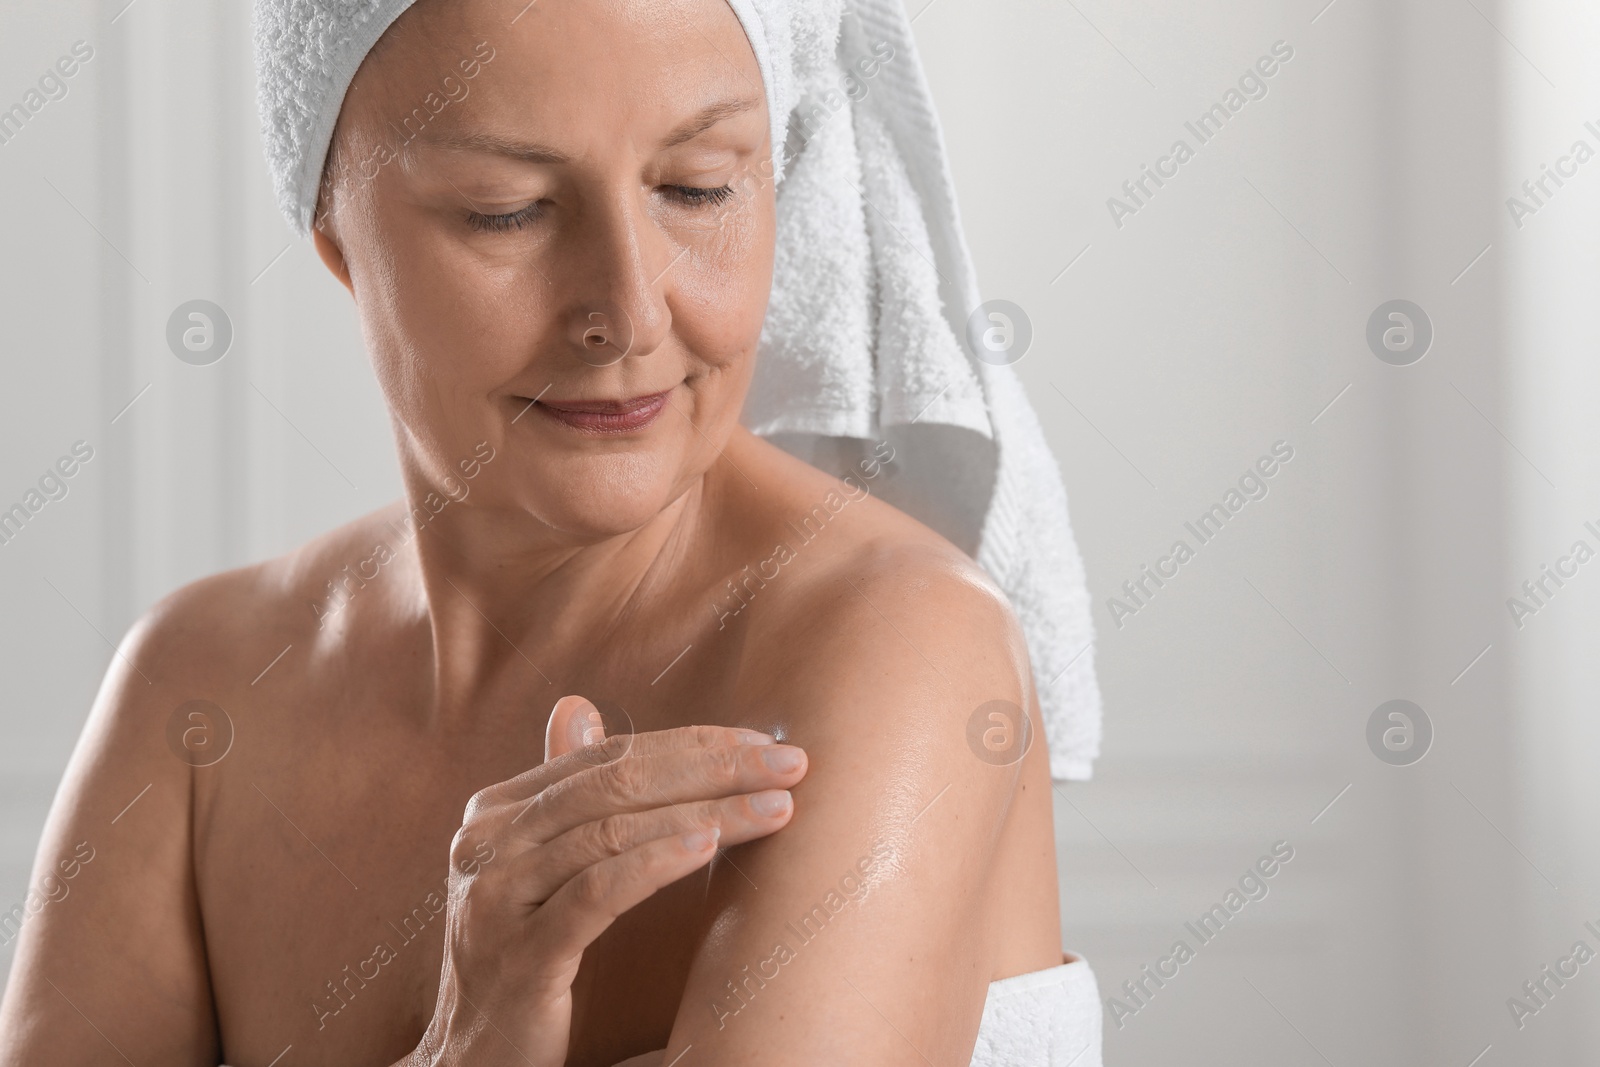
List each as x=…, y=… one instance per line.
x=1227, y=314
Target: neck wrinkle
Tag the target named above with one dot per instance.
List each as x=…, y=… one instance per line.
x=532, y=612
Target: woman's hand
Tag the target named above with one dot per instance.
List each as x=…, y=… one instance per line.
x=545, y=862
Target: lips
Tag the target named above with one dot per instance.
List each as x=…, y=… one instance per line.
x=605, y=415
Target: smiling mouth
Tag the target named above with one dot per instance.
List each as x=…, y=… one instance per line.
x=605, y=416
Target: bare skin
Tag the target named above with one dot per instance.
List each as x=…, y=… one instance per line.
x=226, y=911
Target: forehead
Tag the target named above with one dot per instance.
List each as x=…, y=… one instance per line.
x=649, y=60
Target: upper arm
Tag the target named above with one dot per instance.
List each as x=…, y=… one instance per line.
x=110, y=962
x=860, y=933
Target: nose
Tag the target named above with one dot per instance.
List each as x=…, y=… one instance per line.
x=618, y=272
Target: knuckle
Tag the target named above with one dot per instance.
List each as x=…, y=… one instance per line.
x=471, y=849
x=592, y=888
x=478, y=804
x=461, y=847
x=595, y=753
x=611, y=835
x=721, y=765
x=630, y=779
x=614, y=747
x=707, y=736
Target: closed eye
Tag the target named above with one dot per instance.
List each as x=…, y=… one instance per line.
x=692, y=195
x=695, y=196
x=514, y=220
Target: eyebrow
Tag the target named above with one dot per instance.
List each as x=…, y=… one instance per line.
x=707, y=118
x=534, y=152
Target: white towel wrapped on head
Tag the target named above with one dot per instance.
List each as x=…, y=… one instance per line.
x=866, y=335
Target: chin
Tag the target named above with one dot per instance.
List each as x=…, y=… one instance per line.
x=604, y=496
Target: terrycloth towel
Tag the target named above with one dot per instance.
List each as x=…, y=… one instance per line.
x=1045, y=1019
x=867, y=335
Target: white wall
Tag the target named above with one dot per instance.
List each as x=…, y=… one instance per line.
x=1222, y=317
x=1553, y=274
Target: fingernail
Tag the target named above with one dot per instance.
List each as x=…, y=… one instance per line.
x=770, y=802
x=700, y=840
x=751, y=737
x=783, y=758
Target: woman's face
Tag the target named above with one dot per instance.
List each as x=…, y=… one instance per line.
x=570, y=201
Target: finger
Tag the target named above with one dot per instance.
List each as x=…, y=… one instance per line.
x=574, y=723
x=586, y=905
x=538, y=872
x=639, y=783
x=535, y=780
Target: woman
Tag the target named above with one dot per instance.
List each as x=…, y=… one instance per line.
x=561, y=280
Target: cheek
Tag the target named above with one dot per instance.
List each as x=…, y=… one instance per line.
x=443, y=327
x=723, y=293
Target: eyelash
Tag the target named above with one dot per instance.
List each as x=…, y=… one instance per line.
x=515, y=220
x=697, y=197
x=693, y=195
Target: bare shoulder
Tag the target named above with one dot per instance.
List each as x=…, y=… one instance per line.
x=219, y=632
x=934, y=601
x=202, y=644
x=858, y=584
x=177, y=684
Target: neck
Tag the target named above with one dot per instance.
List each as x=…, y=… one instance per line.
x=513, y=605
